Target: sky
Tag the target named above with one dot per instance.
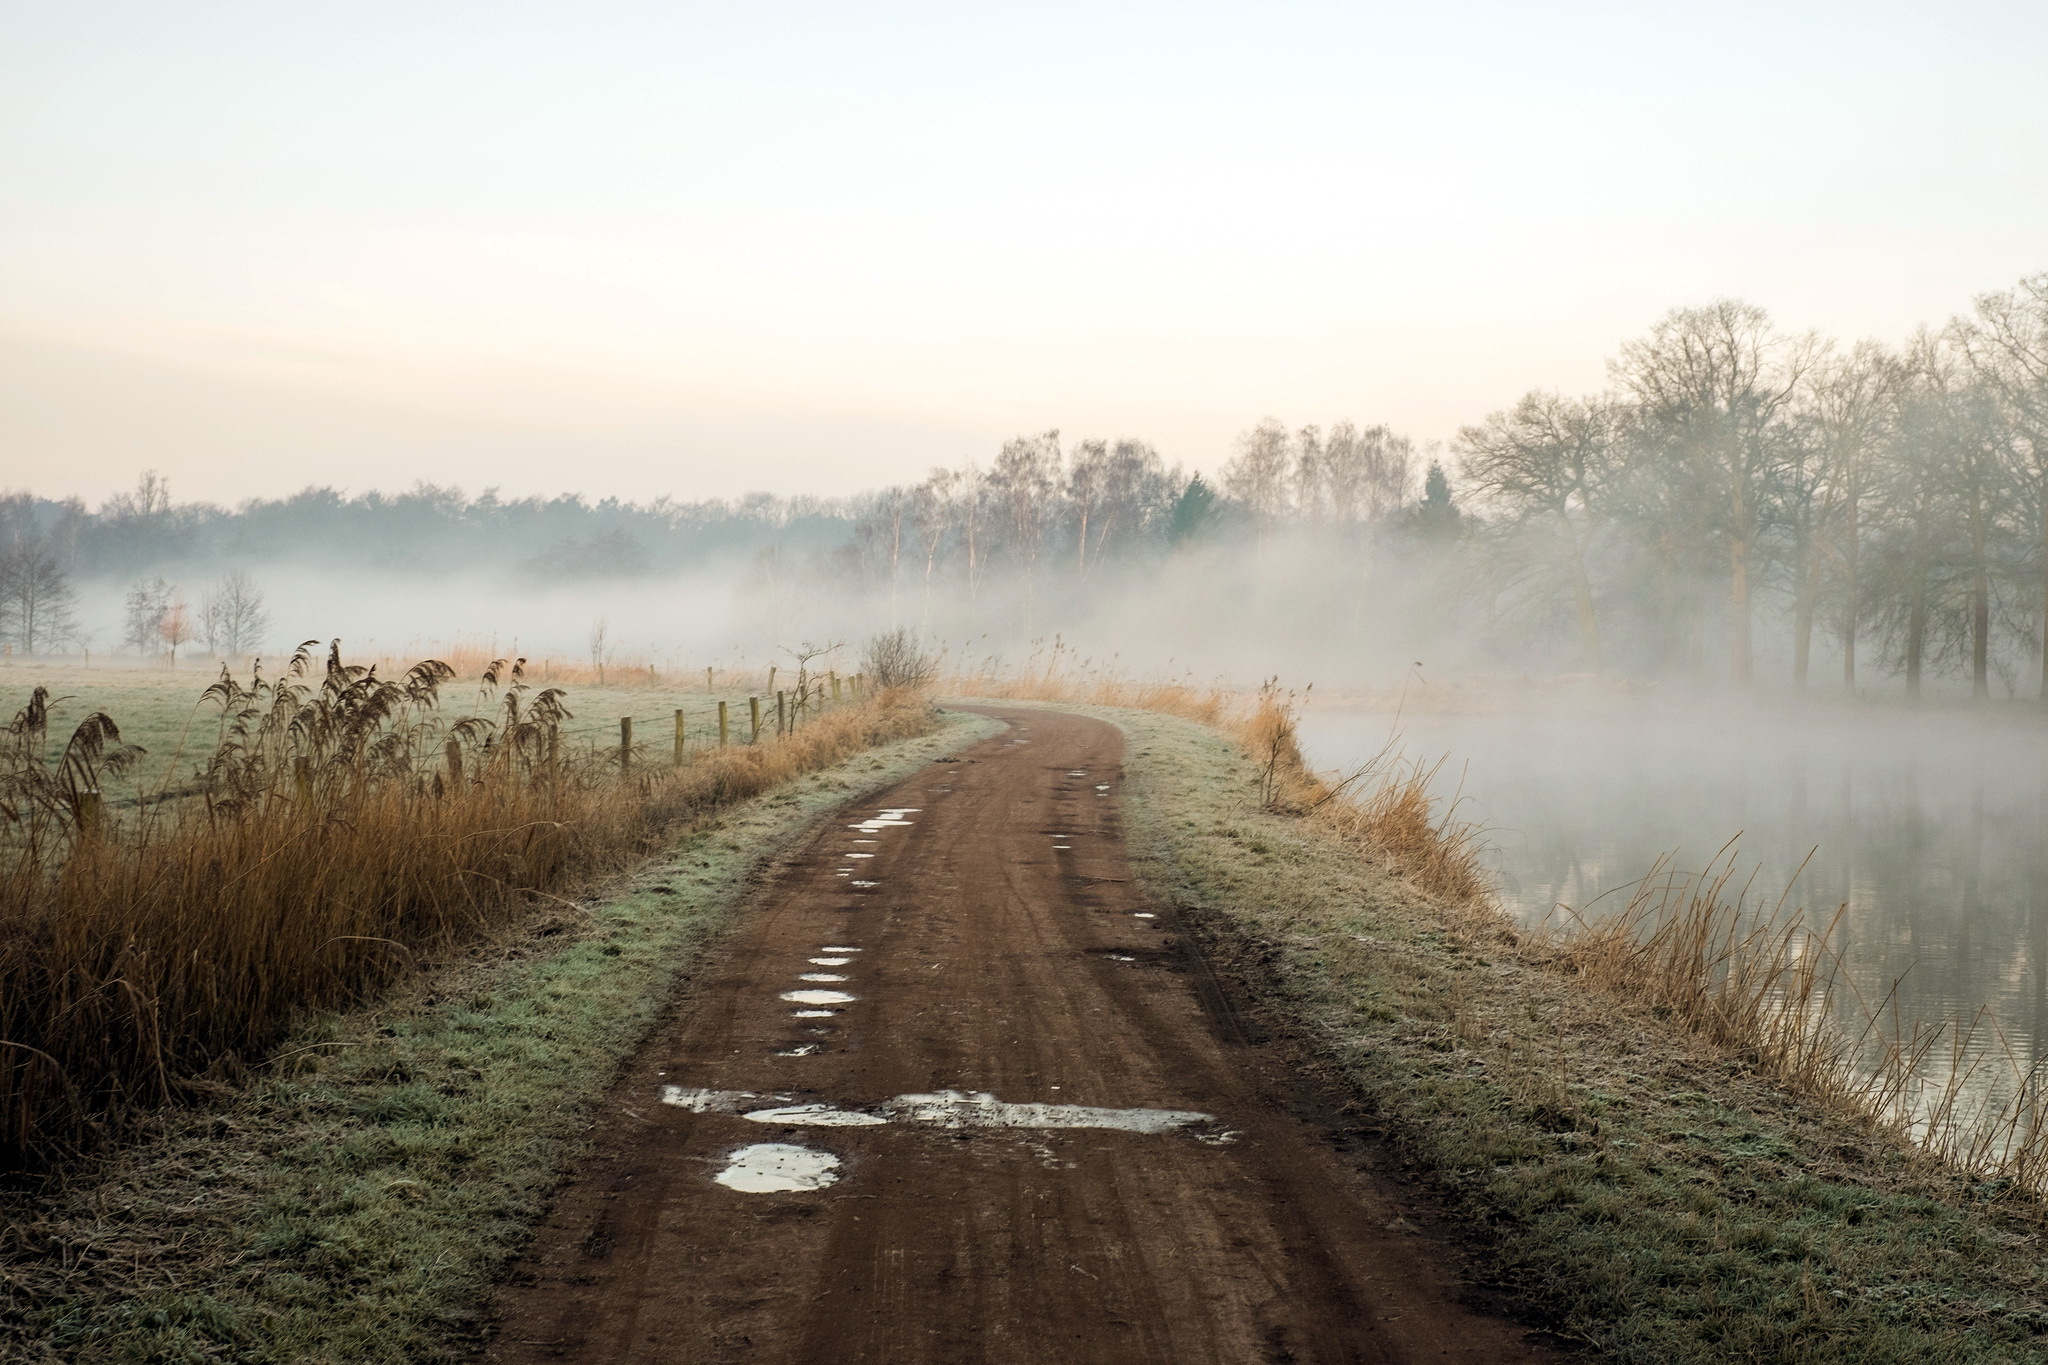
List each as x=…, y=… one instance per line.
x=692, y=249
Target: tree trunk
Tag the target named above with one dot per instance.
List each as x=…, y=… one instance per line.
x=1741, y=672
x=2044, y=590
x=1854, y=607
x=1980, y=604
x=1582, y=599
x=1916, y=639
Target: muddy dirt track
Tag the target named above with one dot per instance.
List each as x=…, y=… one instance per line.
x=1027, y=1134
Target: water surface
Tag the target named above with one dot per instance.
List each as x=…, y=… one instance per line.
x=1928, y=826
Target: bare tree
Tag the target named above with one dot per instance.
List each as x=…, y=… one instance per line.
x=35, y=596
x=232, y=617
x=1714, y=384
x=175, y=628
x=1849, y=405
x=600, y=630
x=1260, y=473
x=143, y=614
x=1550, y=461
x=2006, y=347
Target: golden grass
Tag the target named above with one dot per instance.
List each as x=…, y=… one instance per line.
x=343, y=825
x=1769, y=986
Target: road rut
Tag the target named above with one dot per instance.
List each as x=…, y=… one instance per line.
x=984, y=922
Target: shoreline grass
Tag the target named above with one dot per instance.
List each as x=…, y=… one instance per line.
x=352, y=1203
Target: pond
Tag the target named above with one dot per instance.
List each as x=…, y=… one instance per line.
x=1927, y=826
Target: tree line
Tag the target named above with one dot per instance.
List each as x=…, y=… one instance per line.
x=1886, y=499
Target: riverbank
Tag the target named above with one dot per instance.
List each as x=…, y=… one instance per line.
x=1629, y=1186
x=355, y=1202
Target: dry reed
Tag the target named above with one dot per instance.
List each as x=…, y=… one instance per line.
x=344, y=827
x=1769, y=986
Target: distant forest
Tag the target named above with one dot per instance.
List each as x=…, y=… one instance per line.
x=1740, y=502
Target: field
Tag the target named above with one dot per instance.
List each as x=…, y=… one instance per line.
x=162, y=710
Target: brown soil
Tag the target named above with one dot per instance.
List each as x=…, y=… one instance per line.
x=990, y=961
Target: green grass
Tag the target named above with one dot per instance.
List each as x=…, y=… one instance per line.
x=356, y=1202
x=160, y=709
x=1635, y=1190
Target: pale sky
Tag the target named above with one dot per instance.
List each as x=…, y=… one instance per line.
x=682, y=248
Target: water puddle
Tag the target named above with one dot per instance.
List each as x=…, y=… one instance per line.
x=800, y=1050
x=778, y=1168
x=1143, y=914
x=820, y=976
x=952, y=1109
x=812, y=1014
x=815, y=1116
x=862, y=883
x=1119, y=957
x=837, y=948
x=1077, y=772
x=818, y=997
x=856, y=855
x=1102, y=786
x=830, y=961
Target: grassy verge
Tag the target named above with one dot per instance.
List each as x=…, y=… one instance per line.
x=1635, y=1187
x=355, y=1201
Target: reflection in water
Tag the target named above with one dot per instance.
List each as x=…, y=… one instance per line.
x=1928, y=827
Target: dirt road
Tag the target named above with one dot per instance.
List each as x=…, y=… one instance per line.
x=955, y=1097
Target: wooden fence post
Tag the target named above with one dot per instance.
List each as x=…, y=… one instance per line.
x=721, y=725
x=781, y=715
x=625, y=745
x=835, y=687
x=453, y=750
x=679, y=736
x=754, y=711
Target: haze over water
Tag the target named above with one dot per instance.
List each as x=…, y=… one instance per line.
x=1928, y=826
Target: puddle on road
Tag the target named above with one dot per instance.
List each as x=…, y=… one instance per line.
x=800, y=1050
x=950, y=1109
x=861, y=883
x=836, y=948
x=856, y=855
x=818, y=997
x=815, y=1116
x=1077, y=772
x=1143, y=914
x=778, y=1168
x=820, y=976
x=1119, y=957
x=812, y=1014
x=830, y=961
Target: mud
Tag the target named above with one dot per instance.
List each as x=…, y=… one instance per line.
x=945, y=1170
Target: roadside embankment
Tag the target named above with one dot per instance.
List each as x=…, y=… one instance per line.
x=352, y=1202
x=1638, y=1188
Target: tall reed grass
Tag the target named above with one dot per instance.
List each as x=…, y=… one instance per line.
x=342, y=826
x=1769, y=984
